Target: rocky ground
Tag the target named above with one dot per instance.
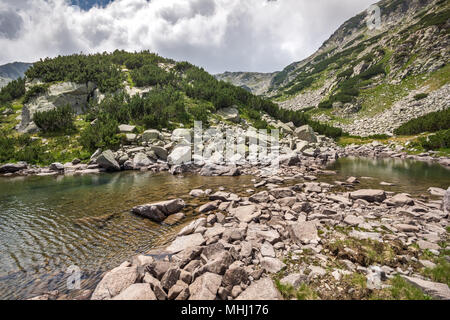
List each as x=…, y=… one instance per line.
x=287, y=239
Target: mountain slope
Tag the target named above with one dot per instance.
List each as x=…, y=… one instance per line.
x=365, y=80
x=68, y=107
x=12, y=71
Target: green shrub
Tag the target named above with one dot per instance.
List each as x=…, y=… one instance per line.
x=431, y=122
x=327, y=104
x=302, y=84
x=420, y=96
x=13, y=90
x=151, y=75
x=57, y=120
x=372, y=72
x=102, y=134
x=440, y=140
x=34, y=92
x=345, y=73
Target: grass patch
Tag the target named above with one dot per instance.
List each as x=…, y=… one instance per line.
x=304, y=292
x=440, y=273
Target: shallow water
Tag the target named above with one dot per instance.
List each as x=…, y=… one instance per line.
x=50, y=223
x=409, y=176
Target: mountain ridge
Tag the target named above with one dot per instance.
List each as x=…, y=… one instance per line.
x=12, y=71
x=343, y=82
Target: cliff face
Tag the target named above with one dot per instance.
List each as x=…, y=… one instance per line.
x=360, y=74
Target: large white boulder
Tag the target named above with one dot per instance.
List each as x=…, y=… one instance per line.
x=58, y=95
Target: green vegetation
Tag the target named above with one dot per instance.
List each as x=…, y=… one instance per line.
x=34, y=92
x=33, y=151
x=304, y=292
x=440, y=140
x=13, y=90
x=441, y=272
x=151, y=75
x=420, y=96
x=102, y=69
x=180, y=94
x=56, y=120
x=431, y=122
x=402, y=290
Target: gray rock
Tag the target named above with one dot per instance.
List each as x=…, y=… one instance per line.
x=263, y=289
x=170, y=278
x=245, y=213
x=272, y=265
x=141, y=160
x=160, y=152
x=260, y=197
x=235, y=276
x=137, y=291
x=210, y=206
x=303, y=232
x=13, y=167
x=106, y=160
x=180, y=155
x=438, y=192
x=115, y=281
x=294, y=279
x=230, y=114
x=282, y=193
x=399, y=200
x=205, y=287
x=213, y=170
x=306, y=133
x=370, y=195
x=125, y=128
x=58, y=95
x=197, y=193
x=436, y=290
x=267, y=250
x=353, y=220
x=150, y=135
x=159, y=211
x=446, y=201
x=56, y=166
x=157, y=269
x=177, y=289
x=190, y=228
x=184, y=242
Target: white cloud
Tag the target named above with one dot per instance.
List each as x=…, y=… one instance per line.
x=250, y=35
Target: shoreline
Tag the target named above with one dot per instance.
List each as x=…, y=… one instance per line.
x=246, y=243
x=371, y=151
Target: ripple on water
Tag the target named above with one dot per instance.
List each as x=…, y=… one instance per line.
x=50, y=223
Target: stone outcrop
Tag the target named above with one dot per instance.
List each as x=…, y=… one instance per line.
x=58, y=95
x=160, y=210
x=107, y=161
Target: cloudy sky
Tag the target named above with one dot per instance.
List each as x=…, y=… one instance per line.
x=219, y=35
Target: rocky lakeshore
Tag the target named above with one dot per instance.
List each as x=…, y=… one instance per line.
x=289, y=237
x=158, y=151
x=286, y=240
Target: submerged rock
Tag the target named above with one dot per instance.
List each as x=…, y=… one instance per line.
x=159, y=211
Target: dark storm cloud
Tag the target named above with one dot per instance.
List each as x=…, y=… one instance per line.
x=10, y=24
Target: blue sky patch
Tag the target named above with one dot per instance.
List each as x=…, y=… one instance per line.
x=87, y=4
